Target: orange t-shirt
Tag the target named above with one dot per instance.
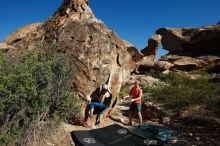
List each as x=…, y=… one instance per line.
x=136, y=92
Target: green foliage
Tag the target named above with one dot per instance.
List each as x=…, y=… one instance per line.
x=124, y=90
x=35, y=89
x=179, y=91
x=157, y=74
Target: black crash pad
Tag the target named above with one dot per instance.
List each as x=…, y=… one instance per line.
x=113, y=135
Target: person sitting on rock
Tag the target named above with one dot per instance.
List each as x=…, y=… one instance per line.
x=103, y=103
x=135, y=95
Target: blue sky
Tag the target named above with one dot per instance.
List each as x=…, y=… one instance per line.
x=133, y=20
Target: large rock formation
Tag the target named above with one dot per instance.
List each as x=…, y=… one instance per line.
x=149, y=53
x=193, y=41
x=190, y=48
x=153, y=45
x=99, y=55
x=22, y=37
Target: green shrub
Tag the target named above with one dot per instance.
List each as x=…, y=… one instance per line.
x=35, y=89
x=159, y=75
x=180, y=91
x=124, y=90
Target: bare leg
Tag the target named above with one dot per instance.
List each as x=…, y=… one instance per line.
x=130, y=118
x=86, y=123
x=100, y=118
x=140, y=117
x=91, y=112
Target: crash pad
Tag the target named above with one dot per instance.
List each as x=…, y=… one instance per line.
x=117, y=135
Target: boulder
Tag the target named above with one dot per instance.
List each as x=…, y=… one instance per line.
x=97, y=53
x=153, y=44
x=25, y=35
x=185, y=63
x=189, y=48
x=191, y=41
x=148, y=80
x=163, y=65
x=149, y=52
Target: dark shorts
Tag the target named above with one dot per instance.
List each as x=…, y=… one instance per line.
x=135, y=106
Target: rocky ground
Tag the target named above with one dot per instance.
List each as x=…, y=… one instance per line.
x=188, y=130
x=61, y=136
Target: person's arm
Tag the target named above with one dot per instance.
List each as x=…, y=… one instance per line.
x=134, y=99
x=102, y=98
x=126, y=97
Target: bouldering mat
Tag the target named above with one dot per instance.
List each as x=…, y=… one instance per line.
x=113, y=135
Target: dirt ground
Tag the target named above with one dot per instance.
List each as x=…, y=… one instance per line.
x=191, y=131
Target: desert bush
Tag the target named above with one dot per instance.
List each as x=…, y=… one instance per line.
x=179, y=91
x=35, y=89
x=159, y=75
x=125, y=89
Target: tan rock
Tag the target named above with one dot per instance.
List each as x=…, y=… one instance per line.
x=163, y=65
x=150, y=51
x=191, y=40
x=187, y=63
x=5, y=47
x=24, y=37
x=191, y=48
x=98, y=54
x=166, y=72
x=148, y=80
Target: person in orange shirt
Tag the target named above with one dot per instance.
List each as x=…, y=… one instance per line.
x=135, y=95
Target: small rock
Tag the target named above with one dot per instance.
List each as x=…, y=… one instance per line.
x=166, y=120
x=50, y=144
x=180, y=142
x=173, y=141
x=166, y=71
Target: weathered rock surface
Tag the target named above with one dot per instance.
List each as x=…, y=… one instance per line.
x=149, y=52
x=189, y=48
x=144, y=80
x=24, y=36
x=191, y=40
x=5, y=48
x=98, y=54
x=163, y=65
x=185, y=63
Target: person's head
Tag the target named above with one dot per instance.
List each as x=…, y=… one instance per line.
x=136, y=83
x=104, y=86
